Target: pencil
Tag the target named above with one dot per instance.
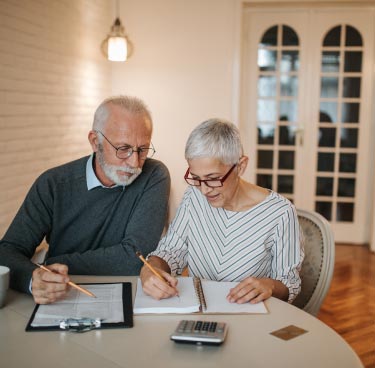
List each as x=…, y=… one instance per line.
x=72, y=284
x=152, y=269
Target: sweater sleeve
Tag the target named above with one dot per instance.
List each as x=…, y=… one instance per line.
x=30, y=225
x=143, y=230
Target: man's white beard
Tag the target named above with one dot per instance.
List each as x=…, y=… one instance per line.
x=111, y=171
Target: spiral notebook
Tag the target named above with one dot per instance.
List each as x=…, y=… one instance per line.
x=195, y=296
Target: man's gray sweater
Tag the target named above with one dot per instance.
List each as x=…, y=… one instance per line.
x=91, y=231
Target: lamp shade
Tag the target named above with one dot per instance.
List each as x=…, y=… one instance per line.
x=117, y=46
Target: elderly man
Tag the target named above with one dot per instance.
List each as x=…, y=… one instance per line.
x=94, y=210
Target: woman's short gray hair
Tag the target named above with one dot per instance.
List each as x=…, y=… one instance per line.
x=131, y=104
x=216, y=138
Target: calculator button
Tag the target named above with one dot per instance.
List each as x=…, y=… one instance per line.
x=212, y=327
x=220, y=327
x=198, y=326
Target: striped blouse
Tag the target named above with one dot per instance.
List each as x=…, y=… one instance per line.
x=222, y=245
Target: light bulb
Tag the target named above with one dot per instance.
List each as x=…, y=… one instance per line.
x=117, y=49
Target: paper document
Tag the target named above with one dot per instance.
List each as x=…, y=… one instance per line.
x=108, y=306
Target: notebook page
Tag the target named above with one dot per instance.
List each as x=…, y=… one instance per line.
x=215, y=294
x=187, y=302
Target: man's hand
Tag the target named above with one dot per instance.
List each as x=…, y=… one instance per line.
x=48, y=287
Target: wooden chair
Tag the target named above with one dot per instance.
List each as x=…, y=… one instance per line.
x=317, y=268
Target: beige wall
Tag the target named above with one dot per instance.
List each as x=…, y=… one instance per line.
x=52, y=76
x=183, y=66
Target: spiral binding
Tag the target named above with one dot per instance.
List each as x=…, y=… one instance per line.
x=200, y=294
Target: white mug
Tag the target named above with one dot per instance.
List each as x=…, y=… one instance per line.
x=4, y=284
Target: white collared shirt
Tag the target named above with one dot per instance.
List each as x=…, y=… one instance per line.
x=92, y=180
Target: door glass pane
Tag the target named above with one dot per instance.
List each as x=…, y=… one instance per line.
x=267, y=110
x=333, y=37
x=348, y=162
x=327, y=137
x=324, y=186
x=289, y=85
x=290, y=37
x=265, y=159
x=264, y=181
x=324, y=117
x=326, y=161
x=288, y=111
x=350, y=112
x=325, y=209
x=285, y=183
x=328, y=110
x=289, y=61
x=286, y=160
x=330, y=61
x=345, y=212
x=267, y=86
x=353, y=61
x=352, y=87
x=329, y=87
x=266, y=134
x=287, y=136
x=349, y=138
x=346, y=187
x=267, y=60
x=353, y=37
x=270, y=37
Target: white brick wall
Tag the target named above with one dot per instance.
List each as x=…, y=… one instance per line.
x=52, y=77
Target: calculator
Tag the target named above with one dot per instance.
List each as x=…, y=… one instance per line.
x=200, y=332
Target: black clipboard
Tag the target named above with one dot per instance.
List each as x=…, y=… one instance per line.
x=127, y=309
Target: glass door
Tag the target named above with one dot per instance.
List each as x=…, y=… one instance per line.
x=306, y=110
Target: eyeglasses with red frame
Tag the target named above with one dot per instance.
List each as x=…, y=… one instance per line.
x=212, y=183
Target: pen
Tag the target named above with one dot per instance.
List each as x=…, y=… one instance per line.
x=72, y=284
x=152, y=269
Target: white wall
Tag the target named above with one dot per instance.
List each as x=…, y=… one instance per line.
x=52, y=77
x=182, y=67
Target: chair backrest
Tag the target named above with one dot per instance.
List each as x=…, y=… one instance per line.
x=317, y=267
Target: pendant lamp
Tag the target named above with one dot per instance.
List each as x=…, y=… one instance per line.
x=117, y=46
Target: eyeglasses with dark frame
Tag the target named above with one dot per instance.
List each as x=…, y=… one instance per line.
x=212, y=183
x=126, y=151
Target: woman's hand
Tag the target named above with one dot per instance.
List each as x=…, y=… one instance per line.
x=157, y=288
x=251, y=290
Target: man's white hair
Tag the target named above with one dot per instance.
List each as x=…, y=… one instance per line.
x=131, y=104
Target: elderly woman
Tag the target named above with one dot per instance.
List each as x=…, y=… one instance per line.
x=228, y=229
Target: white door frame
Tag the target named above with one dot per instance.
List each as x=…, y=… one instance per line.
x=239, y=114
